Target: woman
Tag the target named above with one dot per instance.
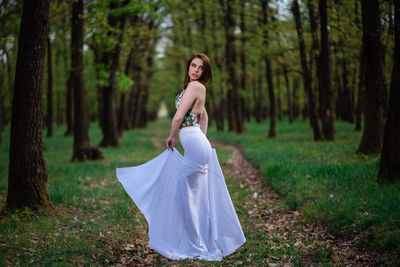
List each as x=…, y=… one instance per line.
x=184, y=198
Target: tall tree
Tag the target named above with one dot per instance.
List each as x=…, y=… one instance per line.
x=1, y=98
x=361, y=74
x=220, y=109
x=372, y=138
x=27, y=178
x=243, y=50
x=289, y=98
x=327, y=109
x=268, y=71
x=123, y=115
x=315, y=53
x=111, y=61
x=390, y=161
x=360, y=92
x=82, y=148
x=306, y=74
x=69, y=92
x=235, y=112
x=49, y=115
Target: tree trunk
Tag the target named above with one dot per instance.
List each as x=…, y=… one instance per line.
x=268, y=73
x=279, y=106
x=2, y=108
x=243, y=61
x=110, y=131
x=259, y=108
x=295, y=98
x=27, y=178
x=50, y=113
x=315, y=57
x=99, y=89
x=328, y=127
x=390, y=161
x=148, y=77
x=372, y=138
x=347, y=109
x=235, y=112
x=312, y=107
x=123, y=120
x=59, y=116
x=220, y=109
x=70, y=108
x=82, y=149
x=360, y=94
x=271, y=97
x=1, y=100
x=289, y=98
x=70, y=94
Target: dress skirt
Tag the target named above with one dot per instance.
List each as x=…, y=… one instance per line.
x=185, y=201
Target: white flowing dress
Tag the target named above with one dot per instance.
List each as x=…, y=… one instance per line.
x=185, y=201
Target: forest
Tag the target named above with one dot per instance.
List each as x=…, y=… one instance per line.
x=88, y=85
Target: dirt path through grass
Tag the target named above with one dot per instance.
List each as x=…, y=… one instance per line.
x=313, y=245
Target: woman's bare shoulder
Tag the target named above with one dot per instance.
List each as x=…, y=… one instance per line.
x=196, y=85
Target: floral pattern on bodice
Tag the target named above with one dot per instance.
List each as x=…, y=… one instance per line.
x=190, y=119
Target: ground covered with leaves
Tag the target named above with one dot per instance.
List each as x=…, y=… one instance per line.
x=94, y=222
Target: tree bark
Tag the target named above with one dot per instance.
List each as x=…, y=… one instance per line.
x=220, y=109
x=289, y=98
x=243, y=61
x=110, y=131
x=279, y=106
x=70, y=94
x=27, y=177
x=327, y=108
x=99, y=89
x=315, y=56
x=50, y=113
x=312, y=107
x=372, y=138
x=259, y=108
x=235, y=112
x=389, y=169
x=123, y=116
x=268, y=72
x=295, y=98
x=1, y=100
x=347, y=109
x=59, y=116
x=360, y=93
x=82, y=149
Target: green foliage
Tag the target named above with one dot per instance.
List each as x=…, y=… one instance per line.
x=102, y=76
x=123, y=82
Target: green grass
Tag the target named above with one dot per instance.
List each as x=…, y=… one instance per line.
x=92, y=212
x=327, y=180
x=94, y=219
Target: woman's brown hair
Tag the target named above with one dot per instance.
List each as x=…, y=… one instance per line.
x=206, y=75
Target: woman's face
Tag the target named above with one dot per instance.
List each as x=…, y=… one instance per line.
x=195, y=69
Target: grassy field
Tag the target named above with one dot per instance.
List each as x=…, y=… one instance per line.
x=94, y=222
x=327, y=181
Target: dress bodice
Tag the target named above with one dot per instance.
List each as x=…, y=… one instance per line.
x=190, y=119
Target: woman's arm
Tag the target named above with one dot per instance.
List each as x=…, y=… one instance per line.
x=204, y=121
